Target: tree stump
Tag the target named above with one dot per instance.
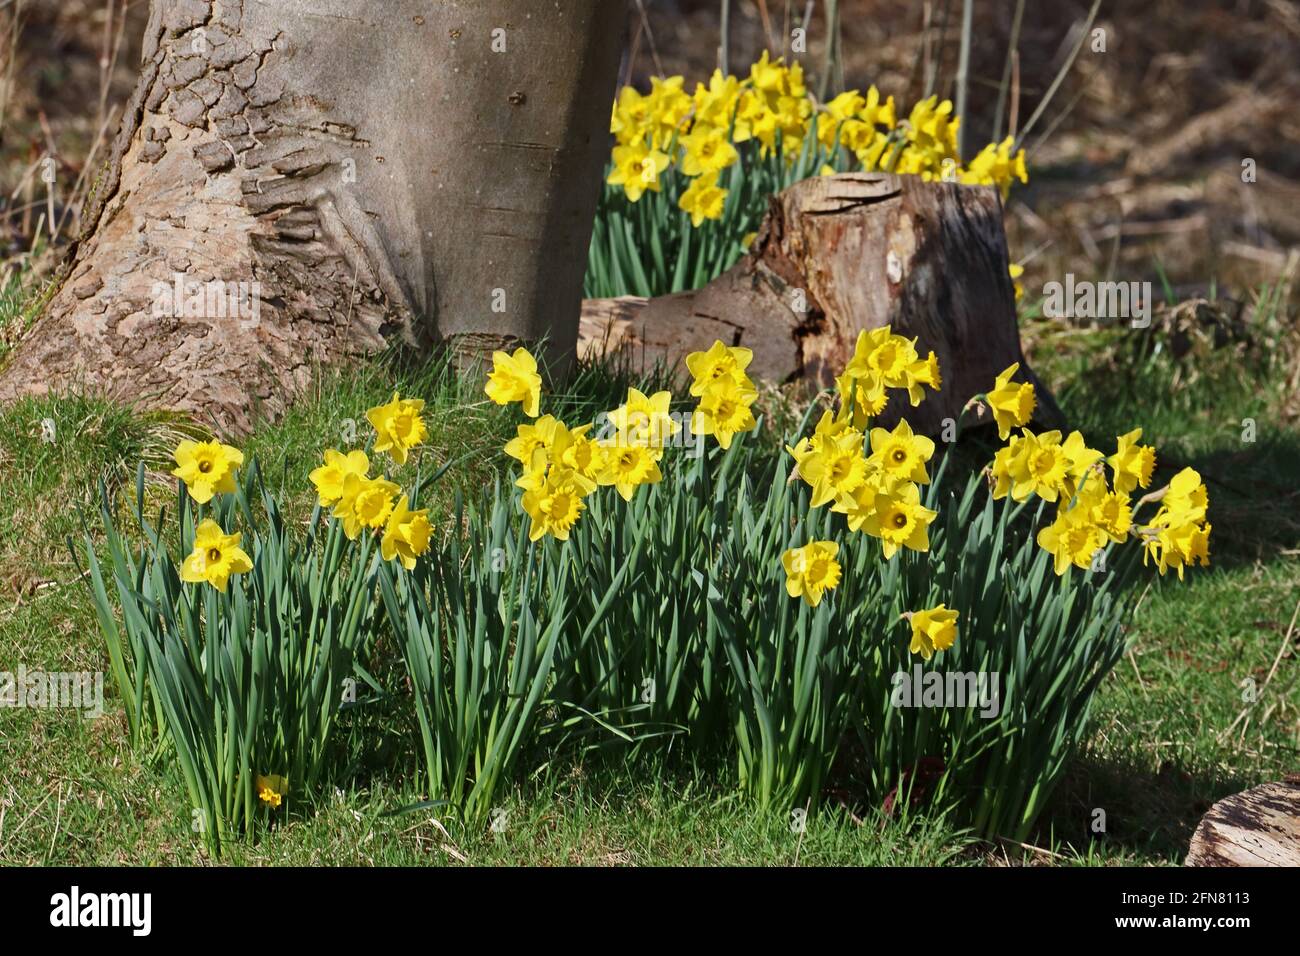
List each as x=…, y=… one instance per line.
x=1259, y=827
x=837, y=255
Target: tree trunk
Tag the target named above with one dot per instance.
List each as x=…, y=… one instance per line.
x=1260, y=827
x=365, y=175
x=836, y=255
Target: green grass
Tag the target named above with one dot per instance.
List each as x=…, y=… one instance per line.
x=1171, y=731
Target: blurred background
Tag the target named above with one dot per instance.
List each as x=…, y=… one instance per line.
x=1135, y=161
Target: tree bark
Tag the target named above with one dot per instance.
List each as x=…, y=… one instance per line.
x=837, y=255
x=1259, y=827
x=395, y=173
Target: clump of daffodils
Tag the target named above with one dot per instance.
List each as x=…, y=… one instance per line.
x=362, y=502
x=344, y=485
x=208, y=469
x=561, y=465
x=1093, y=491
x=771, y=112
x=726, y=394
x=873, y=476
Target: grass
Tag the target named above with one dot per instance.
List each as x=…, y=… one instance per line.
x=1171, y=730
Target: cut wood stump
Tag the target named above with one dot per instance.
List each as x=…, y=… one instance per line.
x=836, y=255
x=1259, y=827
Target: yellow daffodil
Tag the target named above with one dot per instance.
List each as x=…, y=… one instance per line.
x=707, y=151
x=931, y=134
x=900, y=453
x=514, y=378
x=881, y=353
x=1132, y=464
x=272, y=789
x=862, y=397
x=811, y=571
x=867, y=143
x=330, y=476
x=1046, y=468
x=584, y=455
x=553, y=505
x=562, y=449
x=406, y=534
x=842, y=108
x=670, y=108
x=531, y=437
x=924, y=372
x=1012, y=403
x=207, y=468
x=1186, y=496
x=399, y=427
x=1071, y=538
x=716, y=104
x=1009, y=466
x=874, y=112
x=828, y=427
x=703, y=199
x=645, y=419
x=216, y=556
x=899, y=519
x=719, y=362
x=628, y=466
x=832, y=467
x=769, y=76
x=859, y=505
x=1175, y=540
x=637, y=168
x=631, y=119
x=933, y=630
x=724, y=411
x=365, y=503
x=1108, y=510
x=995, y=165
x=1081, y=460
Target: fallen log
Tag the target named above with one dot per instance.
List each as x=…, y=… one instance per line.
x=836, y=255
x=1259, y=827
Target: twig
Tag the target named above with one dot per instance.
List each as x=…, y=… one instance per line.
x=724, y=41
x=58, y=819
x=1282, y=650
x=963, y=71
x=650, y=37
x=1013, y=46
x=832, y=48
x=767, y=25
x=1060, y=76
x=1132, y=659
x=1031, y=848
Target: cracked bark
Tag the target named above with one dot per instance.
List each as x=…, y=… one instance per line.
x=383, y=175
x=1258, y=827
x=836, y=255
